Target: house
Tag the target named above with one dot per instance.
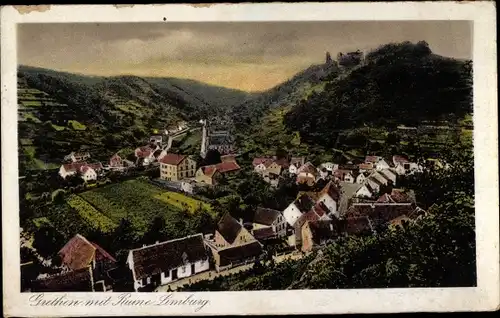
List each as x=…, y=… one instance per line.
x=360, y=178
x=324, y=173
x=295, y=164
x=372, y=159
x=260, y=164
x=87, y=173
x=307, y=174
x=404, y=166
x=318, y=233
x=272, y=172
x=156, y=140
x=233, y=244
x=80, y=253
x=374, y=184
x=268, y=224
x=70, y=169
x=380, y=177
x=221, y=141
x=115, y=161
x=329, y=196
x=329, y=166
x=80, y=280
x=381, y=214
x=145, y=154
x=161, y=263
x=174, y=167
x=365, y=191
x=207, y=175
x=77, y=156
x=366, y=167
x=382, y=164
x=301, y=205
x=346, y=175
x=389, y=175
x=211, y=174
x=396, y=196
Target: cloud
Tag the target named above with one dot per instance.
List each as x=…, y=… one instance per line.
x=204, y=51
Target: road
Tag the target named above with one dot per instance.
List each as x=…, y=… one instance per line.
x=210, y=275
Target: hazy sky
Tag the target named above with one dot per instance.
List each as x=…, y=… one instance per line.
x=248, y=56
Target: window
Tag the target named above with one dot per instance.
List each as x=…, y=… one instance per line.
x=183, y=269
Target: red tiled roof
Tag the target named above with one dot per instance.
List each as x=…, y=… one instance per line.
x=74, y=166
x=331, y=190
x=209, y=170
x=172, y=159
x=258, y=161
x=321, y=209
x=371, y=159
x=308, y=168
x=77, y=253
x=366, y=166
x=228, y=166
x=399, y=159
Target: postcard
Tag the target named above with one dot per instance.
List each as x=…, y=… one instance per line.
x=249, y=159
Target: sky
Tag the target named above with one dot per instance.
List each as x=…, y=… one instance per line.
x=250, y=56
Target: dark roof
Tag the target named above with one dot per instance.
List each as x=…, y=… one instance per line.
x=77, y=281
x=332, y=191
x=240, y=252
x=162, y=257
x=263, y=233
x=229, y=228
x=265, y=216
x=172, y=159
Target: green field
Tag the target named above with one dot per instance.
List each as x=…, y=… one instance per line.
x=90, y=215
x=136, y=200
x=182, y=202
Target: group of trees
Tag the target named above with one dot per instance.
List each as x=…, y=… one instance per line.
x=399, y=84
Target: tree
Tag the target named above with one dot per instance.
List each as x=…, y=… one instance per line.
x=156, y=231
x=124, y=237
x=212, y=157
x=47, y=241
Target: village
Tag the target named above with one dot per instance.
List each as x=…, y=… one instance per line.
x=338, y=200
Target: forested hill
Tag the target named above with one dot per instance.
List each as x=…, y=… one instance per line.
x=400, y=83
x=290, y=92
x=62, y=112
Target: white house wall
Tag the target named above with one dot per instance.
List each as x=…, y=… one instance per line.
x=292, y=214
x=329, y=202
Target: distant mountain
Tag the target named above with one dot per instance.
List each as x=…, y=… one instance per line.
x=61, y=112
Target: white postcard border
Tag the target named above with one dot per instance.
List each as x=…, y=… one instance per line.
x=483, y=297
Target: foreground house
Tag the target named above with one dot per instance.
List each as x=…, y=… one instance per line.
x=80, y=280
x=174, y=167
x=211, y=174
x=165, y=262
x=80, y=253
x=232, y=244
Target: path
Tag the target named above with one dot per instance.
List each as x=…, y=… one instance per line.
x=210, y=275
